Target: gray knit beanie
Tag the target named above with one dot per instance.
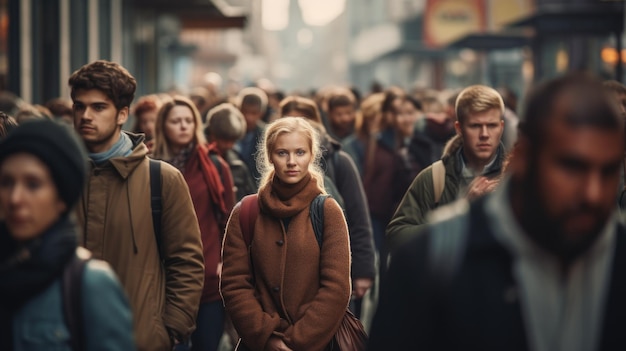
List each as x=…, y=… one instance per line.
x=226, y=122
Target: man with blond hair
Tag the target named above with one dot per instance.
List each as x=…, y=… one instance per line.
x=470, y=165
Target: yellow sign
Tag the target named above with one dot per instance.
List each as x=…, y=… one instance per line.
x=448, y=20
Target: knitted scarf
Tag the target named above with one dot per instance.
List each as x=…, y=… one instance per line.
x=123, y=147
x=27, y=269
x=283, y=200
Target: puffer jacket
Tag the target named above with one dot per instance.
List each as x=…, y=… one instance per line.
x=419, y=199
x=106, y=316
x=116, y=217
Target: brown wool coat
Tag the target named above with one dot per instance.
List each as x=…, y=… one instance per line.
x=116, y=219
x=301, y=291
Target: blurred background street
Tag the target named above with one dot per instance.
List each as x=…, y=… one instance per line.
x=303, y=45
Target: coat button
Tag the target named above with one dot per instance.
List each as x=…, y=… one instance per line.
x=280, y=243
x=276, y=289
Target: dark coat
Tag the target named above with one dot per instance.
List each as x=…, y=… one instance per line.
x=342, y=170
x=474, y=310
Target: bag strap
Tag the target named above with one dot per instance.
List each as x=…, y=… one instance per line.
x=71, y=290
x=316, y=212
x=155, y=200
x=250, y=211
x=247, y=217
x=216, y=161
x=439, y=180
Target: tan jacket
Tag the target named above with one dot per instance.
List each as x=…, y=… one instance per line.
x=301, y=291
x=116, y=218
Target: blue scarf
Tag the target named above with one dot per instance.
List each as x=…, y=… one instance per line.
x=123, y=147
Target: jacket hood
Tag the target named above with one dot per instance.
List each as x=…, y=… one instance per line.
x=328, y=144
x=452, y=146
x=126, y=165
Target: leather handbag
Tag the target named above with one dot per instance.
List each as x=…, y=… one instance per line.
x=351, y=335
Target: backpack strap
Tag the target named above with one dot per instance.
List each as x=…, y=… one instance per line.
x=216, y=161
x=250, y=211
x=439, y=180
x=155, y=200
x=316, y=212
x=247, y=217
x=71, y=293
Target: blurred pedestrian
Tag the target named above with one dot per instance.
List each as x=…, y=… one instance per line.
x=42, y=173
x=180, y=141
x=145, y=111
x=224, y=126
x=537, y=265
x=476, y=151
x=287, y=291
x=252, y=102
x=151, y=239
x=341, y=105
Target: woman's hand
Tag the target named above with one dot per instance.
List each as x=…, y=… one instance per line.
x=276, y=344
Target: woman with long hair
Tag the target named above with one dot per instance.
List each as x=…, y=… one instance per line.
x=180, y=141
x=286, y=290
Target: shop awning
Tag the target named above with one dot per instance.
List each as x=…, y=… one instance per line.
x=492, y=41
x=576, y=18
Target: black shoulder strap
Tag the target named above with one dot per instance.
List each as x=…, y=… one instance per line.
x=218, y=164
x=71, y=289
x=316, y=212
x=155, y=200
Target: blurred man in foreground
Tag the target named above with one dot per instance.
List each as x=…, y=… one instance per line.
x=540, y=264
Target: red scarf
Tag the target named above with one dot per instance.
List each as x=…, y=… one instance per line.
x=212, y=177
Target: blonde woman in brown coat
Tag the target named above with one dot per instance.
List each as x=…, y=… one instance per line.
x=287, y=292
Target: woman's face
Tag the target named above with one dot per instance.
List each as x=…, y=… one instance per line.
x=180, y=126
x=291, y=157
x=29, y=199
x=147, y=122
x=406, y=118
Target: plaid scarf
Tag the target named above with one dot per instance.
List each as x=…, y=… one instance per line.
x=180, y=159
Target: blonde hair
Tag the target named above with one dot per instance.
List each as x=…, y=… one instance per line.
x=287, y=125
x=477, y=99
x=162, y=148
x=371, y=109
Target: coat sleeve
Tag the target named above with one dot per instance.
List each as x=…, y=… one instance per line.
x=350, y=186
x=407, y=312
x=182, y=254
x=410, y=216
x=238, y=292
x=314, y=330
x=106, y=312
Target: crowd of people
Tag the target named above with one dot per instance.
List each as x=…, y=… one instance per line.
x=263, y=221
